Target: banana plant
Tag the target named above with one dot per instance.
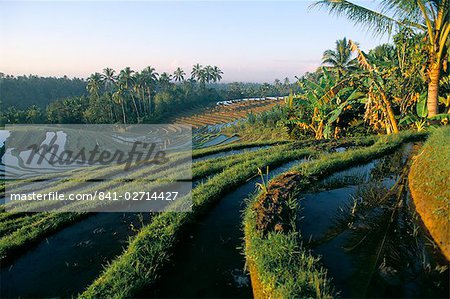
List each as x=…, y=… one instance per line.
x=326, y=99
x=421, y=113
x=379, y=108
x=419, y=119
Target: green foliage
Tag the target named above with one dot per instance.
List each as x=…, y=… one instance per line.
x=128, y=97
x=426, y=22
x=20, y=230
x=22, y=92
x=433, y=164
x=284, y=267
x=150, y=250
x=320, y=108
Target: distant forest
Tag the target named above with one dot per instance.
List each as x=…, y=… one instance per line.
x=25, y=91
x=127, y=96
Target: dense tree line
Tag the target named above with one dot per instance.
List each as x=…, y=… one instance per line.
x=141, y=97
x=25, y=91
x=382, y=91
x=402, y=85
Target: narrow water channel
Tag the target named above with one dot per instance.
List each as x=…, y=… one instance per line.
x=209, y=260
x=363, y=224
x=231, y=152
x=67, y=262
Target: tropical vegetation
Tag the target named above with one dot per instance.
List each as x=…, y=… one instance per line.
x=382, y=91
x=123, y=97
x=358, y=109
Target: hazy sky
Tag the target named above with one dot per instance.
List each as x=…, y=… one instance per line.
x=250, y=41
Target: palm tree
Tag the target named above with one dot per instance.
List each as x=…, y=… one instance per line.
x=217, y=74
x=209, y=73
x=108, y=78
x=109, y=82
x=150, y=78
x=340, y=59
x=383, y=54
x=432, y=17
x=196, y=71
x=164, y=79
x=202, y=77
x=126, y=82
x=178, y=75
x=139, y=89
x=118, y=99
x=94, y=83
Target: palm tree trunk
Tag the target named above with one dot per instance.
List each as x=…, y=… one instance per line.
x=135, y=106
x=390, y=113
x=150, y=106
x=433, y=90
x=124, y=116
x=142, y=96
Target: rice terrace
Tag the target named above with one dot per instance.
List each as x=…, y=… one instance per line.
x=172, y=178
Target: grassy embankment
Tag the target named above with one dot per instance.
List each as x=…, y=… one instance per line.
x=26, y=229
x=429, y=184
x=20, y=231
x=256, y=133
x=279, y=266
x=150, y=250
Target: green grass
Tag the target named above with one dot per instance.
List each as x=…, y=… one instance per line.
x=94, y=172
x=17, y=242
x=434, y=164
x=150, y=250
x=21, y=230
x=282, y=267
x=198, y=153
x=429, y=185
x=257, y=133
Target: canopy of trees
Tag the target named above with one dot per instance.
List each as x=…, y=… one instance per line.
x=128, y=96
x=382, y=91
x=25, y=91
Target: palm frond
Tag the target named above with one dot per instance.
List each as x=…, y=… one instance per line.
x=403, y=10
x=378, y=22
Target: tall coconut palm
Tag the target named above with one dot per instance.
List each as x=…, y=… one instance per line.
x=150, y=78
x=126, y=82
x=94, y=83
x=209, y=73
x=118, y=99
x=217, y=74
x=109, y=82
x=432, y=17
x=340, y=59
x=139, y=89
x=108, y=78
x=202, y=77
x=164, y=79
x=179, y=74
x=196, y=71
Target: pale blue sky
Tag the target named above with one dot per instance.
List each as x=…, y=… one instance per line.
x=250, y=41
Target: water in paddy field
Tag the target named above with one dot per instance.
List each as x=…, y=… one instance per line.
x=371, y=240
x=64, y=264
x=231, y=152
x=209, y=262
